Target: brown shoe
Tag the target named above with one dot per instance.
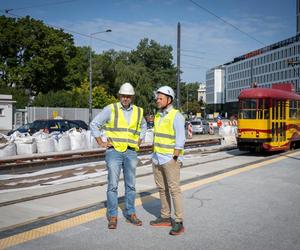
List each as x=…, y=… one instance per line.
x=112, y=222
x=133, y=219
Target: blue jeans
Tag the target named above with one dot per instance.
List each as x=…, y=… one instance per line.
x=116, y=161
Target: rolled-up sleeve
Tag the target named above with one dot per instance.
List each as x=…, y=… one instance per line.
x=179, y=131
x=99, y=121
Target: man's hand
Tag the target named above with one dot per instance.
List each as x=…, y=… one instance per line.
x=103, y=144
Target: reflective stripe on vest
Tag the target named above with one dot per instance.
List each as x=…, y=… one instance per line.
x=119, y=133
x=164, y=134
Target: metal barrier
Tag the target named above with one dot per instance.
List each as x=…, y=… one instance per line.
x=36, y=113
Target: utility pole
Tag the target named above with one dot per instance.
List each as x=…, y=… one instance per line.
x=91, y=74
x=178, y=65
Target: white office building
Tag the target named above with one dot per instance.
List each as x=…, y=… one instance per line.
x=276, y=63
x=215, y=83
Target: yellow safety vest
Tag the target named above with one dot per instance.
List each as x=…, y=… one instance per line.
x=164, y=134
x=119, y=133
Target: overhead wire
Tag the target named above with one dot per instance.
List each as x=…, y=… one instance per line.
x=226, y=22
x=198, y=57
x=198, y=52
x=74, y=32
x=39, y=5
x=194, y=65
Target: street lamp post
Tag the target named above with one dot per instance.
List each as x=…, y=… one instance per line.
x=187, y=99
x=91, y=74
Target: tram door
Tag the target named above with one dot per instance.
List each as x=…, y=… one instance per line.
x=278, y=119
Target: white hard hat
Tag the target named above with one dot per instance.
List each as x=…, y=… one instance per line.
x=126, y=89
x=166, y=90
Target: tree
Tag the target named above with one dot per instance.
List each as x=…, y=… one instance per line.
x=77, y=97
x=78, y=67
x=158, y=61
x=61, y=98
x=189, y=97
x=141, y=80
x=34, y=56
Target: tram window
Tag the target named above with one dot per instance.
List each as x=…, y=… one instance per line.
x=248, y=109
x=293, y=109
x=260, y=109
x=283, y=110
x=266, y=109
x=280, y=106
x=274, y=110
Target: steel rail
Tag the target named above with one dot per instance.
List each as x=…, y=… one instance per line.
x=98, y=184
x=16, y=162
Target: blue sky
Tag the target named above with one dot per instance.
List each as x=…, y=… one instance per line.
x=205, y=40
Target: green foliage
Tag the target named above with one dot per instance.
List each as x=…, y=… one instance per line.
x=157, y=60
x=34, y=56
x=189, y=100
x=77, y=67
x=45, y=61
x=18, y=95
x=61, y=98
x=101, y=98
x=77, y=97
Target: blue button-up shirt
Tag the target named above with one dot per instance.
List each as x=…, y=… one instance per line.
x=178, y=126
x=103, y=117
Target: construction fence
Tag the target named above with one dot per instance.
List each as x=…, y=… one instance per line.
x=31, y=114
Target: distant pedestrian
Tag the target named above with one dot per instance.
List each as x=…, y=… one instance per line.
x=125, y=128
x=169, y=139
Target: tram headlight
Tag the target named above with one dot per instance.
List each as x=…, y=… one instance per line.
x=257, y=134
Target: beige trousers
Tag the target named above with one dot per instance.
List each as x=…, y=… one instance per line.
x=167, y=179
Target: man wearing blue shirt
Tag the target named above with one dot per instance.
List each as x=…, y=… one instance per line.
x=169, y=139
x=125, y=128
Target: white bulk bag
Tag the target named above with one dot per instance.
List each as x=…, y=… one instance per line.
x=26, y=148
x=7, y=146
x=25, y=143
x=77, y=139
x=8, y=149
x=62, y=142
x=45, y=143
x=90, y=140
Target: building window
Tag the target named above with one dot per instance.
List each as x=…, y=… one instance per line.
x=1, y=112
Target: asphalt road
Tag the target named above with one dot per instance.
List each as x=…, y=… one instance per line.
x=254, y=208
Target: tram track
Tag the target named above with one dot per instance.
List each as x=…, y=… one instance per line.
x=82, y=187
x=102, y=183
x=23, y=164
x=97, y=205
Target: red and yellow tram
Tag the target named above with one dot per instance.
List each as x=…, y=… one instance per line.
x=269, y=118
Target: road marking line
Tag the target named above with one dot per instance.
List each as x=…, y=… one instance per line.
x=84, y=218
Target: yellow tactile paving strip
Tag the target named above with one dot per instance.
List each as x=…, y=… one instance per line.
x=90, y=216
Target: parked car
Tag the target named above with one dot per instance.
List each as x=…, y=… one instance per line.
x=60, y=125
x=78, y=124
x=200, y=126
x=22, y=129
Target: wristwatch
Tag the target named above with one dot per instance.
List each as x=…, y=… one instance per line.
x=175, y=157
